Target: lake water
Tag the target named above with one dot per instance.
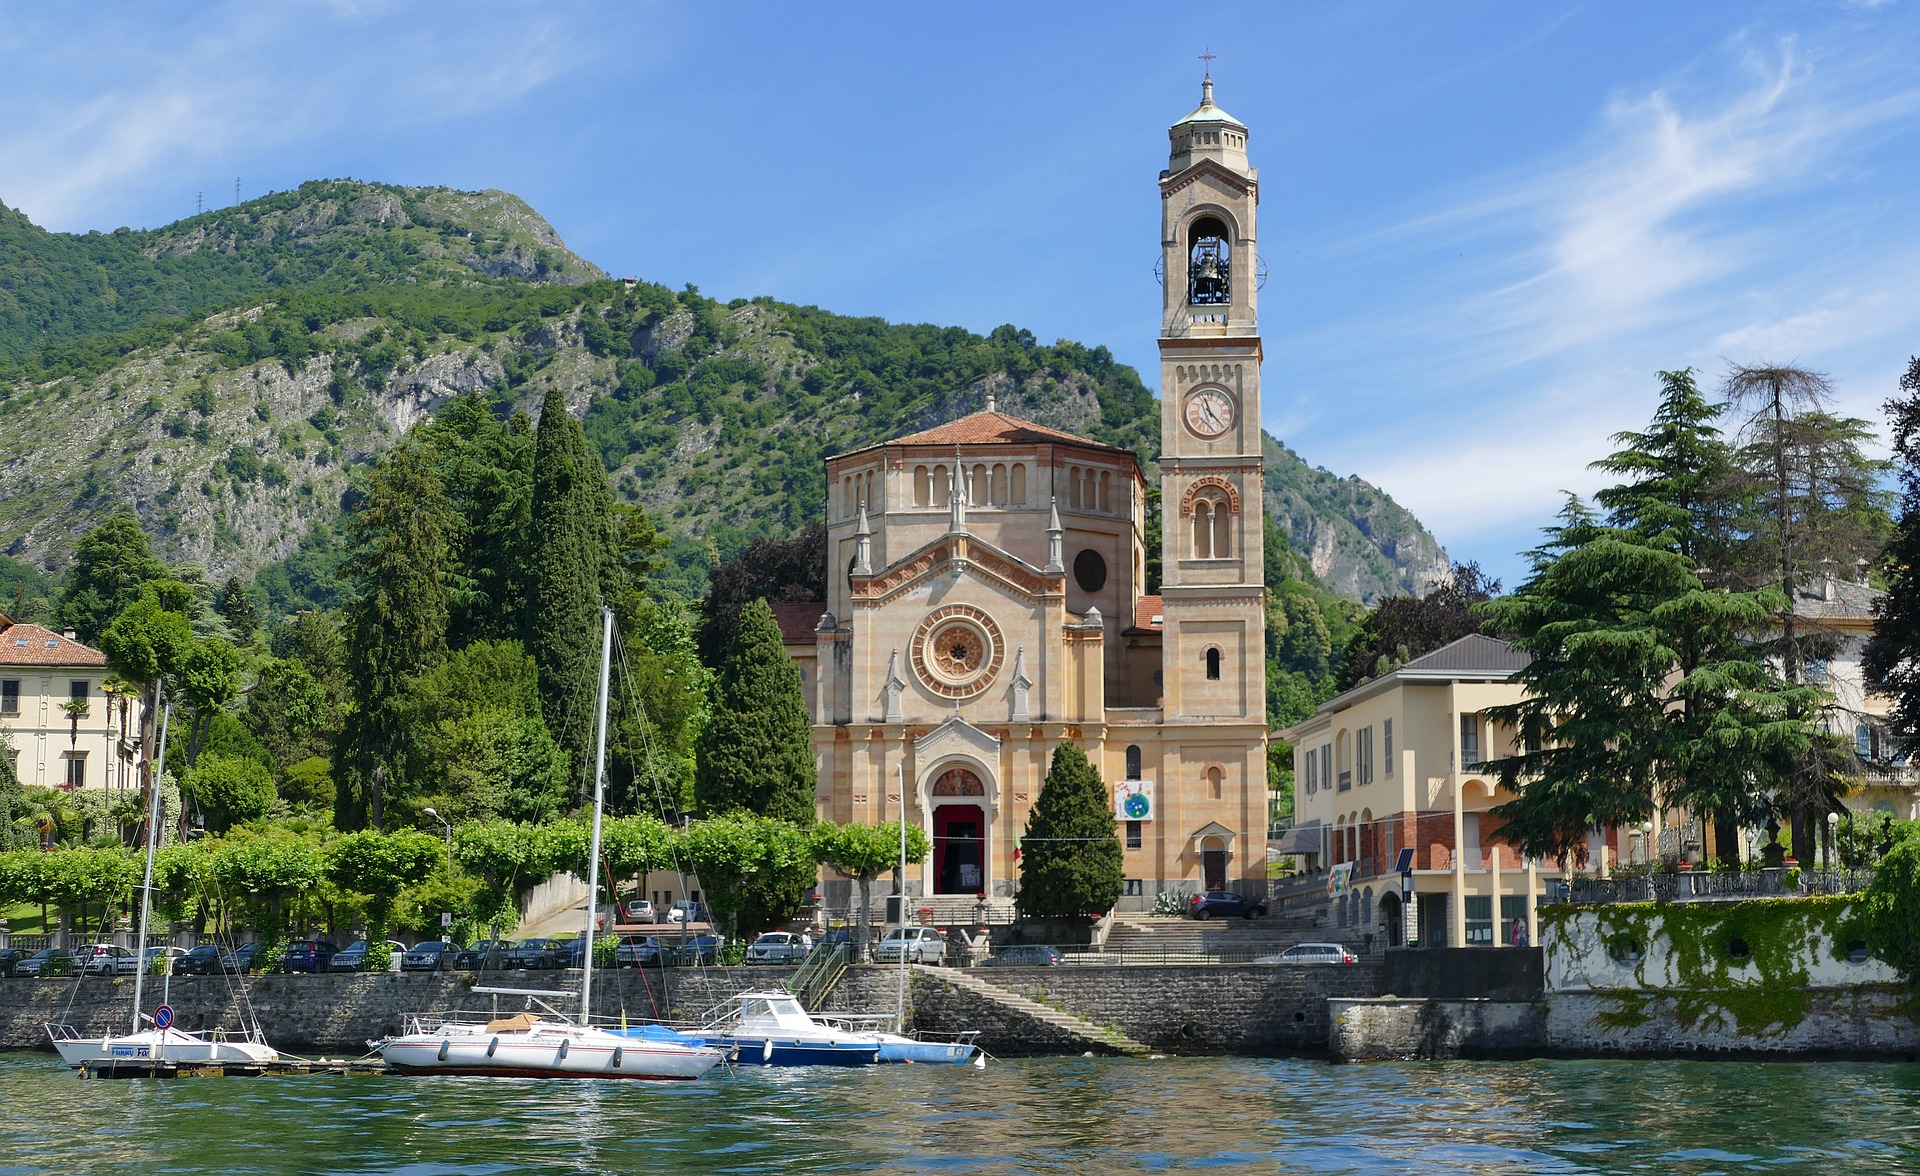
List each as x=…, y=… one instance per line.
x=1042, y=1115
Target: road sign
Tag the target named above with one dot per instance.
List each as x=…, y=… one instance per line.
x=446, y=918
x=163, y=1016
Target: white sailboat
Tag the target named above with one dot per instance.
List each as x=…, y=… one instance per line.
x=160, y=1048
x=532, y=1046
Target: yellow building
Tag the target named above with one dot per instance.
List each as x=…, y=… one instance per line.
x=987, y=596
x=1391, y=819
x=65, y=731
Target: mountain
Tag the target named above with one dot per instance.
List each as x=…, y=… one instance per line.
x=228, y=375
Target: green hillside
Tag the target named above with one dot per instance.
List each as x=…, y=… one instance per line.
x=227, y=376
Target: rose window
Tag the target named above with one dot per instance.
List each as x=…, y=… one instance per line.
x=957, y=651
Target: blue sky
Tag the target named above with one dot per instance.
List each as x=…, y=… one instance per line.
x=1487, y=225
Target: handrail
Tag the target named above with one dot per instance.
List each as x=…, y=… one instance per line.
x=818, y=973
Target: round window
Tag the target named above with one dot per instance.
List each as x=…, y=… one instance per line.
x=1090, y=571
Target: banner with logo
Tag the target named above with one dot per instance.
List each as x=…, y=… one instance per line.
x=1133, y=800
x=1340, y=879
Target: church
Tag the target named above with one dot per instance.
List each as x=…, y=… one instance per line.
x=988, y=599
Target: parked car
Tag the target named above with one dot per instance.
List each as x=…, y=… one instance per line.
x=9, y=956
x=481, y=953
x=151, y=958
x=48, y=961
x=1025, y=955
x=531, y=953
x=242, y=959
x=639, y=951
x=569, y=953
x=1312, y=953
x=105, y=959
x=835, y=938
x=920, y=945
x=777, y=947
x=200, y=961
x=638, y=910
x=308, y=955
x=701, y=949
x=1225, y=902
x=429, y=955
x=686, y=911
x=353, y=957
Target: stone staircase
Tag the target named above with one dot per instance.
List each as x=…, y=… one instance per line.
x=1019, y=1018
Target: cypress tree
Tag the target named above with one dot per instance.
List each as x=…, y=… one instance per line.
x=1071, y=865
x=755, y=753
x=567, y=557
x=396, y=624
x=238, y=610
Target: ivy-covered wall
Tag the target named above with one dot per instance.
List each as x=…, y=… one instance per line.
x=1750, y=968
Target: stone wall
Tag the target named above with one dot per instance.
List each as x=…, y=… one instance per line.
x=1396, y=1028
x=1757, y=943
x=1251, y=1009
x=1860, y=1022
x=1197, y=1008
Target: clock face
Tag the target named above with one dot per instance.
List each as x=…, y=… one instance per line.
x=1209, y=412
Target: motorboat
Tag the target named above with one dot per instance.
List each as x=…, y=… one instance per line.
x=152, y=1045
x=774, y=1029
x=531, y=1046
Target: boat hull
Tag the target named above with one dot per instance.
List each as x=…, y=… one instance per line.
x=927, y=1053
x=546, y=1055
x=157, y=1049
x=762, y=1051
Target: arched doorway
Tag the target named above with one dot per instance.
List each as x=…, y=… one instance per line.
x=1213, y=863
x=959, y=833
x=1390, y=914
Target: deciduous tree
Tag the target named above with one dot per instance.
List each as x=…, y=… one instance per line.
x=755, y=869
x=110, y=567
x=864, y=852
x=1892, y=658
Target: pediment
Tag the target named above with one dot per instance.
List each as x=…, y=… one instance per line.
x=1212, y=829
x=956, y=736
x=1211, y=169
x=978, y=557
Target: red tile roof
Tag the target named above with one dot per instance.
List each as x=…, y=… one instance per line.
x=1148, y=612
x=25, y=644
x=796, y=621
x=994, y=428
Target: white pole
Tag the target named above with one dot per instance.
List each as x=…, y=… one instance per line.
x=900, y=1000
x=146, y=886
x=599, y=798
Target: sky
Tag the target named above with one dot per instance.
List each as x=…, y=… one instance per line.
x=1488, y=226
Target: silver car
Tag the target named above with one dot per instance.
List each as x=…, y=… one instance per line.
x=1312, y=953
x=777, y=947
x=920, y=945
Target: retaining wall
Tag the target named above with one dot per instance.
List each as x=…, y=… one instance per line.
x=1397, y=1028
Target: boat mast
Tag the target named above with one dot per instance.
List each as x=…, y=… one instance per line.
x=900, y=999
x=146, y=885
x=599, y=799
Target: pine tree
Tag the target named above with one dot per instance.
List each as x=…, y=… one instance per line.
x=396, y=624
x=1892, y=657
x=237, y=610
x=567, y=560
x=1071, y=865
x=755, y=753
x=110, y=565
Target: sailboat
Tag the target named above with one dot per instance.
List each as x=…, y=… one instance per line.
x=529, y=1045
x=161, y=1048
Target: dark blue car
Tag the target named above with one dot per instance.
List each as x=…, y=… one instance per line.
x=1224, y=903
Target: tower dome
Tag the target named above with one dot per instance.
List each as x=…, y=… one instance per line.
x=1208, y=133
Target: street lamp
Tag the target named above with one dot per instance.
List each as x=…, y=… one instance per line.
x=449, y=826
x=1646, y=841
x=1833, y=830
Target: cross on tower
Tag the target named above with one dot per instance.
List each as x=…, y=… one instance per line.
x=1207, y=56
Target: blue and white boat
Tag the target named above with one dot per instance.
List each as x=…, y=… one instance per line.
x=773, y=1029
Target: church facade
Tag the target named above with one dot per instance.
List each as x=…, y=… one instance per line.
x=988, y=599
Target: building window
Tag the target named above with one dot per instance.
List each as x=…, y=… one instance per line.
x=1213, y=665
x=1479, y=920
x=1386, y=744
x=1326, y=765
x=1136, y=888
x=1469, y=740
x=10, y=696
x=76, y=769
x=1133, y=835
x=1513, y=909
x=1090, y=571
x=1311, y=770
x=1216, y=783
x=1363, y=755
x=1133, y=761
x=922, y=487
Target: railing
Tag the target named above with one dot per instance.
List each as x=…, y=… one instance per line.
x=818, y=973
x=1072, y=956
x=1707, y=885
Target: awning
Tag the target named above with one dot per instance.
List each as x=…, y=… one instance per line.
x=1306, y=838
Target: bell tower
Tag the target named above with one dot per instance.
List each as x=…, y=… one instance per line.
x=1210, y=473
